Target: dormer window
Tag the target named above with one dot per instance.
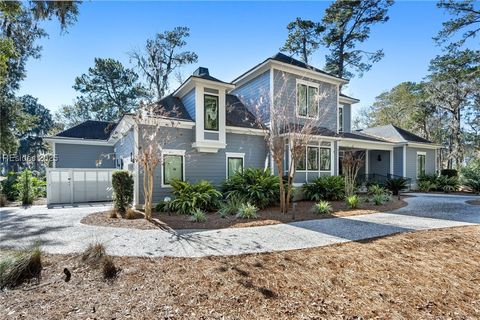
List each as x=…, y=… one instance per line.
x=211, y=112
x=307, y=99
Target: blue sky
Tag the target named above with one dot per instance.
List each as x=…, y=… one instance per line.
x=229, y=38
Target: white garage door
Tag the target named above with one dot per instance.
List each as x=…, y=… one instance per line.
x=78, y=185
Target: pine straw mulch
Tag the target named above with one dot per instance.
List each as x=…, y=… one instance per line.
x=419, y=275
x=267, y=216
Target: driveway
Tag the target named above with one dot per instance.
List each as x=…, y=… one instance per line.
x=59, y=230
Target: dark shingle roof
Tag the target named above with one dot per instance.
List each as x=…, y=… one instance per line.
x=89, y=129
x=319, y=131
x=360, y=136
x=407, y=135
x=171, y=107
x=289, y=60
x=238, y=115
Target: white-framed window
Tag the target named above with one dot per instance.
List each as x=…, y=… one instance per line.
x=312, y=158
x=307, y=99
x=421, y=158
x=325, y=159
x=340, y=119
x=173, y=166
x=211, y=112
x=235, y=163
x=315, y=158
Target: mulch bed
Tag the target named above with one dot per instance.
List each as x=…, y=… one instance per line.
x=419, y=275
x=267, y=216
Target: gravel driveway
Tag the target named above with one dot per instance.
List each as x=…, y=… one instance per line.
x=60, y=231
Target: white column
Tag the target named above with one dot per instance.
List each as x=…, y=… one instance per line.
x=367, y=162
x=391, y=161
x=404, y=169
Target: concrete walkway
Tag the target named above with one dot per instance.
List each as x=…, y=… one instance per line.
x=60, y=231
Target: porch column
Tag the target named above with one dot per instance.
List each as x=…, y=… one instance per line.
x=366, y=162
x=391, y=161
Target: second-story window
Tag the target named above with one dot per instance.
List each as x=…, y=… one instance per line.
x=210, y=104
x=307, y=100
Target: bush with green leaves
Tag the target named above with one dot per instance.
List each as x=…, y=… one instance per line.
x=8, y=186
x=378, y=199
x=25, y=187
x=322, y=207
x=353, y=201
x=432, y=177
x=122, y=183
x=376, y=190
x=257, y=185
x=198, y=215
x=426, y=185
x=470, y=175
x=188, y=197
x=447, y=184
x=329, y=188
x=247, y=211
x=230, y=206
x=396, y=185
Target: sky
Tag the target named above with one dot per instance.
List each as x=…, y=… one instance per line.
x=229, y=38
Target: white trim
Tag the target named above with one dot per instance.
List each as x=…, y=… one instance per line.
x=272, y=100
x=420, y=153
x=233, y=155
x=391, y=161
x=136, y=169
x=348, y=100
x=423, y=153
x=210, y=146
x=338, y=119
x=404, y=169
x=337, y=147
x=367, y=162
x=194, y=81
x=92, y=142
x=372, y=145
x=307, y=84
x=54, y=161
x=172, y=152
x=424, y=145
x=319, y=171
x=246, y=131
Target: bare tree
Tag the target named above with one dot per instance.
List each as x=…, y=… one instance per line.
x=286, y=134
x=352, y=161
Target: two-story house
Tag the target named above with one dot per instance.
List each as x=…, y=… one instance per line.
x=216, y=132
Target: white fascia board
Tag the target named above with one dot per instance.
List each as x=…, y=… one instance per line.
x=424, y=145
x=347, y=100
x=246, y=131
x=192, y=82
x=66, y=140
x=307, y=72
x=361, y=144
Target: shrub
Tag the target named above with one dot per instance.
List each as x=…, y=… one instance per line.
x=376, y=190
x=8, y=186
x=447, y=184
x=122, y=183
x=20, y=267
x=188, y=197
x=109, y=270
x=449, y=173
x=329, y=188
x=322, y=207
x=428, y=177
x=161, y=206
x=94, y=254
x=396, y=185
x=378, y=199
x=257, y=185
x=426, y=185
x=25, y=187
x=198, y=216
x=470, y=175
x=353, y=201
x=247, y=211
x=230, y=206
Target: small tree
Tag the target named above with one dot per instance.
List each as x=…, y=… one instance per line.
x=122, y=182
x=25, y=188
x=352, y=161
x=303, y=38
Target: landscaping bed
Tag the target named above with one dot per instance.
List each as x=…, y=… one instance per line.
x=418, y=275
x=267, y=216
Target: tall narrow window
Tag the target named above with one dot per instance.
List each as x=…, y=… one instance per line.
x=172, y=168
x=211, y=112
x=340, y=119
x=420, y=164
x=307, y=101
x=312, y=158
x=301, y=165
x=234, y=165
x=325, y=159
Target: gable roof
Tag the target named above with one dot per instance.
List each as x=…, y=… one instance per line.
x=283, y=58
x=394, y=134
x=238, y=115
x=90, y=129
x=360, y=136
x=171, y=107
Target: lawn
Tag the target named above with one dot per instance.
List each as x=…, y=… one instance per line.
x=421, y=275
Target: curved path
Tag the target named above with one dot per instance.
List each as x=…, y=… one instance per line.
x=60, y=231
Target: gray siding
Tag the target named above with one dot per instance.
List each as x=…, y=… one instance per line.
x=208, y=166
x=83, y=156
x=412, y=161
x=398, y=161
x=188, y=101
x=379, y=167
x=255, y=95
x=284, y=92
x=123, y=150
x=347, y=118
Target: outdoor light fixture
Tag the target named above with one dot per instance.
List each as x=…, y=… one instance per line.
x=132, y=160
x=379, y=158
